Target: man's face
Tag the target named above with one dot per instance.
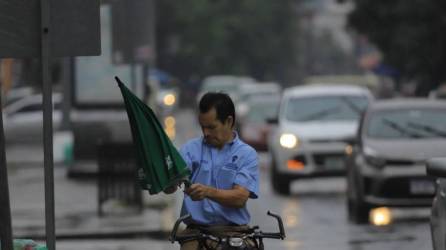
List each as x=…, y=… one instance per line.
x=214, y=131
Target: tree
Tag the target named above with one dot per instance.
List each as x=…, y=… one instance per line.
x=409, y=34
x=252, y=37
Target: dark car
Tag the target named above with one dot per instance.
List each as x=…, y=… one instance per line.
x=437, y=167
x=386, y=165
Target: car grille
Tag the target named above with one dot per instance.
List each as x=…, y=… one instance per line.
x=397, y=187
x=329, y=161
x=401, y=162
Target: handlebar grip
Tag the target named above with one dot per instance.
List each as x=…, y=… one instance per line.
x=279, y=221
x=173, y=234
x=269, y=235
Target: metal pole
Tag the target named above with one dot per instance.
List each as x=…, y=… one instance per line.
x=66, y=88
x=47, y=125
x=5, y=209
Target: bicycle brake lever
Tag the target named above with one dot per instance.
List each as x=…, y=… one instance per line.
x=279, y=221
x=173, y=234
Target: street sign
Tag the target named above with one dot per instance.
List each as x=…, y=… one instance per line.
x=74, y=27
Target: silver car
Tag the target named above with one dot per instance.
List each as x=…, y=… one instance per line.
x=386, y=166
x=436, y=167
x=314, y=125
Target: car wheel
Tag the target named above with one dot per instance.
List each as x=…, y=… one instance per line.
x=280, y=182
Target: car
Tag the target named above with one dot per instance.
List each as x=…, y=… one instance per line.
x=386, y=164
x=228, y=84
x=164, y=92
x=255, y=90
x=436, y=167
x=17, y=93
x=23, y=119
x=439, y=93
x=314, y=124
x=253, y=126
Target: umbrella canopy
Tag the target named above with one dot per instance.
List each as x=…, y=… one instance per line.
x=160, y=164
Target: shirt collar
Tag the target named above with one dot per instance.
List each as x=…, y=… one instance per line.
x=235, y=139
x=232, y=142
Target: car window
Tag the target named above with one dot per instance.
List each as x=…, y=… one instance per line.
x=30, y=108
x=407, y=123
x=34, y=107
x=325, y=108
x=259, y=112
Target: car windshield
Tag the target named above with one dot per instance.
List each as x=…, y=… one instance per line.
x=260, y=111
x=410, y=123
x=326, y=108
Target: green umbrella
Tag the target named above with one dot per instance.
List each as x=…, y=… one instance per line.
x=160, y=164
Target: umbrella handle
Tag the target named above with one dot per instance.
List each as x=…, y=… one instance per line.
x=187, y=183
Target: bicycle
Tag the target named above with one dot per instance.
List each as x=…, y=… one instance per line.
x=251, y=238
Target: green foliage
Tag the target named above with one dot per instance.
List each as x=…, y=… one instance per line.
x=409, y=33
x=253, y=37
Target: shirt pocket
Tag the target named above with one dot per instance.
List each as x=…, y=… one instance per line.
x=202, y=174
x=226, y=176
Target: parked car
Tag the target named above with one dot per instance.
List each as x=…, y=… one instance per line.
x=315, y=122
x=23, y=118
x=253, y=126
x=23, y=121
x=386, y=166
x=436, y=167
x=439, y=93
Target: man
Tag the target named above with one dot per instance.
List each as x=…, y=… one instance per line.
x=224, y=170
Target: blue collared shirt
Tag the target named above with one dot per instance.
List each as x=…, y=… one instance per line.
x=235, y=163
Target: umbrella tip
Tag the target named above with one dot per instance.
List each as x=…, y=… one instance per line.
x=118, y=80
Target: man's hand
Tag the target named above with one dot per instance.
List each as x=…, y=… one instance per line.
x=197, y=192
x=170, y=190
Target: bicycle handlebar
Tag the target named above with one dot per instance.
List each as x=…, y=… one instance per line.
x=279, y=221
x=256, y=234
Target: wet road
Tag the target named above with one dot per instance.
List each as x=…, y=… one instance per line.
x=314, y=217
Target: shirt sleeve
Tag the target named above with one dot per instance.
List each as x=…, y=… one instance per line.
x=248, y=174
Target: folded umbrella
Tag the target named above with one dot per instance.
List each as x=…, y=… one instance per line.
x=160, y=164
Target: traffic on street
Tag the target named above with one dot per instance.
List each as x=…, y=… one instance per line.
x=250, y=124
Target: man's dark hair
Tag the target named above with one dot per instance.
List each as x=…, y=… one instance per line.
x=222, y=103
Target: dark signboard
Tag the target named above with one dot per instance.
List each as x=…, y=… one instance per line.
x=74, y=28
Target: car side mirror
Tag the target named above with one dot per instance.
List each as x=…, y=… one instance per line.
x=436, y=167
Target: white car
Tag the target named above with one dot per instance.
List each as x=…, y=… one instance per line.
x=436, y=167
x=23, y=118
x=315, y=123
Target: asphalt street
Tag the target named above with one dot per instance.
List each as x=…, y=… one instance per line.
x=314, y=214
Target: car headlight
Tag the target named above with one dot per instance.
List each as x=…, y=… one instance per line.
x=372, y=158
x=288, y=141
x=169, y=99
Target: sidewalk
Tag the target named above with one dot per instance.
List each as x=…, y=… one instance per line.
x=76, y=208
